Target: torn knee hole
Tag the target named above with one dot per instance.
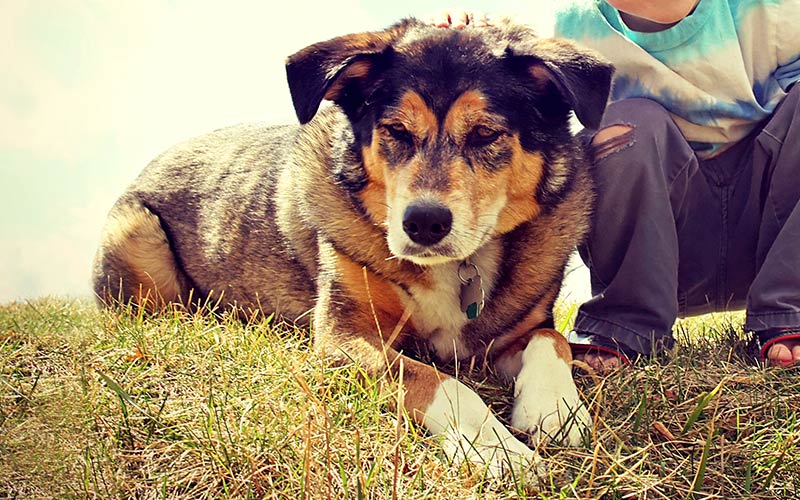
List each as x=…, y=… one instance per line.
x=612, y=139
x=611, y=132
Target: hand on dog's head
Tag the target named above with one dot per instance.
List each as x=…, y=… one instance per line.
x=345, y=69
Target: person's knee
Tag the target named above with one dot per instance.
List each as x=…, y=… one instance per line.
x=612, y=139
x=630, y=122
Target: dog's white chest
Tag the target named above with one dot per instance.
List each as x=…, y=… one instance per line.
x=437, y=309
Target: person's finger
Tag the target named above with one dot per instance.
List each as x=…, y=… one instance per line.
x=460, y=20
x=440, y=19
x=482, y=20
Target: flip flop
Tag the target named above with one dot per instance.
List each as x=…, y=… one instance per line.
x=767, y=338
x=584, y=343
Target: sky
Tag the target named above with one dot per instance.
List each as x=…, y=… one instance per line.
x=92, y=90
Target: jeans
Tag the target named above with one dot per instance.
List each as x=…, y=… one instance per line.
x=675, y=235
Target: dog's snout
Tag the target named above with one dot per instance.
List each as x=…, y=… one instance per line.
x=427, y=223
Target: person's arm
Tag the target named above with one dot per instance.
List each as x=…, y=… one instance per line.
x=787, y=45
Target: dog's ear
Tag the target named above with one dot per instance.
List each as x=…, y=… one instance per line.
x=338, y=70
x=581, y=76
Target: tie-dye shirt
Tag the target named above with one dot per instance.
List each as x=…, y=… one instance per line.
x=719, y=71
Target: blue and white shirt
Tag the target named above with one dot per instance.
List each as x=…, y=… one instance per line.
x=719, y=71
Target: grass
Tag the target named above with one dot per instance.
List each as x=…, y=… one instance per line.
x=111, y=404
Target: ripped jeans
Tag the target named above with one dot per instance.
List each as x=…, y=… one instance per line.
x=674, y=235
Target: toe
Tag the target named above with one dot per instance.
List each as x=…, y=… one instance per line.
x=610, y=362
x=602, y=362
x=780, y=354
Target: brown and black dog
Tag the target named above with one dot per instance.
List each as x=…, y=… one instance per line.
x=436, y=202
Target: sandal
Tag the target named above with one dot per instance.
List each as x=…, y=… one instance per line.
x=767, y=338
x=584, y=343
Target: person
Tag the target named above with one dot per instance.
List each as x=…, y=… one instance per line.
x=697, y=167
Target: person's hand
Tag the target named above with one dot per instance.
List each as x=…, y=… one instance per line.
x=458, y=19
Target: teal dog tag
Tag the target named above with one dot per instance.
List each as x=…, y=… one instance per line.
x=472, y=311
x=472, y=296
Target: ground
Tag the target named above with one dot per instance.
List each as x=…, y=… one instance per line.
x=115, y=404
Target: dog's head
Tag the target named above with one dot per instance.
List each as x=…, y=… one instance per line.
x=464, y=134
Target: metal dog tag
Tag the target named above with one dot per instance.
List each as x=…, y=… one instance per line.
x=472, y=295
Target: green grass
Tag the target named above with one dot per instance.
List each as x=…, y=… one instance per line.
x=111, y=404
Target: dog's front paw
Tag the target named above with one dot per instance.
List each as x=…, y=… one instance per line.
x=546, y=401
x=560, y=417
x=472, y=435
x=491, y=449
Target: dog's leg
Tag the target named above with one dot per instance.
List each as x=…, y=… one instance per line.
x=447, y=408
x=135, y=261
x=355, y=315
x=546, y=401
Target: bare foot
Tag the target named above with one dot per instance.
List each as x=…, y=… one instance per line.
x=784, y=353
x=601, y=362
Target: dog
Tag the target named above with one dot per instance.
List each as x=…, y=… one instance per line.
x=434, y=201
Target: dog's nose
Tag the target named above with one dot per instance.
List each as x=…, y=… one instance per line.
x=427, y=223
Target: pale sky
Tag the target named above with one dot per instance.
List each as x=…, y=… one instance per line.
x=92, y=90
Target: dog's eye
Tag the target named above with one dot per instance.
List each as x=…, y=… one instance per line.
x=399, y=131
x=482, y=136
